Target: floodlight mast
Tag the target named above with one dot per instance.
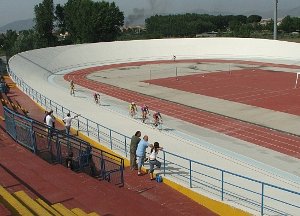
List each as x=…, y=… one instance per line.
x=275, y=20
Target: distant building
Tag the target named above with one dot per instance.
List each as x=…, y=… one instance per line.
x=266, y=21
x=136, y=29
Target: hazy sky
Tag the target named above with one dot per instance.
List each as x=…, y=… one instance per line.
x=12, y=10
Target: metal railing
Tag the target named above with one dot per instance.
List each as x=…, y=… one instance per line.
x=262, y=197
x=56, y=146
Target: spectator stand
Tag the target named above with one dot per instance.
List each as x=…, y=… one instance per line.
x=55, y=147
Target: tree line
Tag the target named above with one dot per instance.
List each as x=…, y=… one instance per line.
x=77, y=21
x=87, y=21
x=189, y=25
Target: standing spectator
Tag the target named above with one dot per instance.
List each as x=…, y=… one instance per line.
x=68, y=122
x=50, y=121
x=46, y=113
x=140, y=152
x=152, y=159
x=135, y=139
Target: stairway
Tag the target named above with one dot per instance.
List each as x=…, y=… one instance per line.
x=20, y=203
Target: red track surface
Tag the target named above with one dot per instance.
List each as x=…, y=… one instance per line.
x=22, y=170
x=261, y=88
x=274, y=140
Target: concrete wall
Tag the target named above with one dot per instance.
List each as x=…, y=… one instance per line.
x=84, y=55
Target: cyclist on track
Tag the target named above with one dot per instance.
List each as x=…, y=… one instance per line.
x=157, y=118
x=133, y=109
x=97, y=98
x=145, y=112
x=72, y=88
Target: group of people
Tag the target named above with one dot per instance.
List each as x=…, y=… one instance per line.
x=138, y=155
x=157, y=118
x=49, y=120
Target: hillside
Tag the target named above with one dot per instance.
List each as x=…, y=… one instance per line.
x=18, y=25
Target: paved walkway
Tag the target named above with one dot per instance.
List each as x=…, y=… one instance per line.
x=55, y=183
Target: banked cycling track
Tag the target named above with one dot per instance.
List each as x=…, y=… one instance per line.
x=77, y=61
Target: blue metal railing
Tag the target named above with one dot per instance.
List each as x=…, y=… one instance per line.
x=58, y=145
x=262, y=197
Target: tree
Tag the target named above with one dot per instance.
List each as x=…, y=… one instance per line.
x=254, y=19
x=44, y=19
x=8, y=41
x=290, y=24
x=60, y=18
x=89, y=21
x=28, y=40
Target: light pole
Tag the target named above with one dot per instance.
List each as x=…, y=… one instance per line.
x=275, y=20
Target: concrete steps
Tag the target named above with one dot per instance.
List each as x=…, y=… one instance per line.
x=20, y=203
x=31, y=204
x=15, y=206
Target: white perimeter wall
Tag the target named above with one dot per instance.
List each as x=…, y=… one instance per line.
x=67, y=57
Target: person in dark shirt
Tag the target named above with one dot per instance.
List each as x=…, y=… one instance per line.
x=135, y=139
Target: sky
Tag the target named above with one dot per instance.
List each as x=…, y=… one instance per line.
x=13, y=10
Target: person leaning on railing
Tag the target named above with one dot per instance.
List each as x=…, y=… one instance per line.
x=153, y=160
x=135, y=139
x=68, y=122
x=140, y=152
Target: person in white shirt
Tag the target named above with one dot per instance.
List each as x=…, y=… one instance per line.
x=68, y=122
x=50, y=121
x=152, y=159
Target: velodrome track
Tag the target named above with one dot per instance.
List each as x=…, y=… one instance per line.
x=281, y=142
x=35, y=67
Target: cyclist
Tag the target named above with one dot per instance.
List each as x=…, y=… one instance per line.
x=97, y=98
x=72, y=88
x=132, y=109
x=157, y=118
x=145, y=111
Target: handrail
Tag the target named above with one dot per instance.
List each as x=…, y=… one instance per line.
x=110, y=138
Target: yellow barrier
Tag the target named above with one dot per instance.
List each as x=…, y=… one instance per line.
x=218, y=207
x=31, y=204
x=48, y=207
x=13, y=204
x=79, y=212
x=63, y=210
